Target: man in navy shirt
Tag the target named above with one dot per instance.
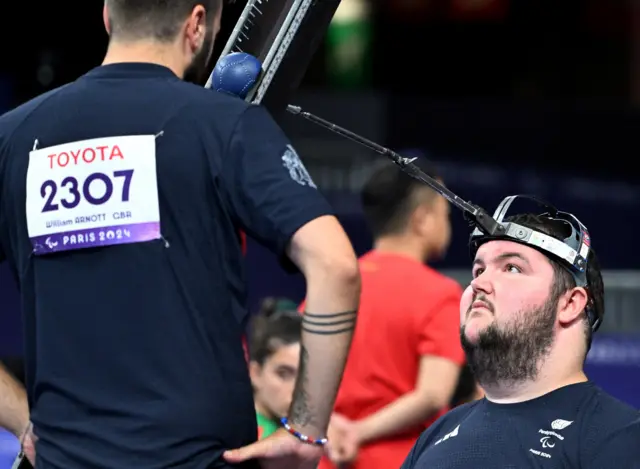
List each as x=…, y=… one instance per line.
x=122, y=196
x=526, y=329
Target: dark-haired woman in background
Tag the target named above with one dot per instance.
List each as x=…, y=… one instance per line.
x=274, y=355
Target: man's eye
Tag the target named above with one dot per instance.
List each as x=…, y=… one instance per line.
x=513, y=268
x=477, y=272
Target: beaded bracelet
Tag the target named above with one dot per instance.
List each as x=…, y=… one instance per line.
x=300, y=436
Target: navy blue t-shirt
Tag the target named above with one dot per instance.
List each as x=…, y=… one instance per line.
x=575, y=427
x=133, y=351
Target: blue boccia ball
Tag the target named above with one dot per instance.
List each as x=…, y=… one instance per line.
x=236, y=74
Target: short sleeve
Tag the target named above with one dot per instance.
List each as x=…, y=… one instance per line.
x=268, y=188
x=439, y=327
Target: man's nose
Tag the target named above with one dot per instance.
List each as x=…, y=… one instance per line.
x=482, y=284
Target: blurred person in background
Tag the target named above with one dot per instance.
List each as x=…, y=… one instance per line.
x=274, y=351
x=406, y=356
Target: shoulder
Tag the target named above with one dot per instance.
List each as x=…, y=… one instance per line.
x=11, y=120
x=437, y=290
x=15, y=126
x=447, y=425
x=610, y=427
x=441, y=282
x=215, y=106
x=442, y=429
x=226, y=115
x=604, y=410
x=426, y=280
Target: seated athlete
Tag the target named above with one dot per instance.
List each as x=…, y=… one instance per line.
x=527, y=328
x=274, y=359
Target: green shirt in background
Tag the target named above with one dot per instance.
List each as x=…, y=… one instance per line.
x=266, y=426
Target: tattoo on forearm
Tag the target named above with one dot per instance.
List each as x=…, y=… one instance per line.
x=329, y=324
x=301, y=413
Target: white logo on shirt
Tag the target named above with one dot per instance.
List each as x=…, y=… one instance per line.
x=448, y=435
x=559, y=424
x=547, y=442
x=550, y=438
x=296, y=169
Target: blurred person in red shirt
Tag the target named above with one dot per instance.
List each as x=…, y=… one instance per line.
x=406, y=356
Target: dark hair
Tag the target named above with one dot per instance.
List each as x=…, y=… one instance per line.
x=389, y=198
x=277, y=324
x=563, y=281
x=158, y=19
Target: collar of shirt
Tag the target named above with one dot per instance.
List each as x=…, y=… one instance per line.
x=131, y=70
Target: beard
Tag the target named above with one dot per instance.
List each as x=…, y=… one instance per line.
x=512, y=353
x=196, y=71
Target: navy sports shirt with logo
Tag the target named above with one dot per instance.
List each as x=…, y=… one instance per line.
x=121, y=199
x=575, y=427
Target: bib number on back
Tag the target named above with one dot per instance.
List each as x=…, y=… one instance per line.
x=92, y=193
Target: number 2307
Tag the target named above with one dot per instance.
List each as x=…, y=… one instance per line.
x=79, y=190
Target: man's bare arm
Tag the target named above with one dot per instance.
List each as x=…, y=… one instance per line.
x=437, y=378
x=14, y=409
x=323, y=253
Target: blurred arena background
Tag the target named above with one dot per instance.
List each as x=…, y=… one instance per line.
x=505, y=96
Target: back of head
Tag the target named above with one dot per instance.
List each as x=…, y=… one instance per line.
x=563, y=279
x=277, y=324
x=390, y=196
x=159, y=20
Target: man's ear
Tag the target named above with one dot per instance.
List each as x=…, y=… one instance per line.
x=571, y=306
x=105, y=18
x=421, y=219
x=196, y=27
